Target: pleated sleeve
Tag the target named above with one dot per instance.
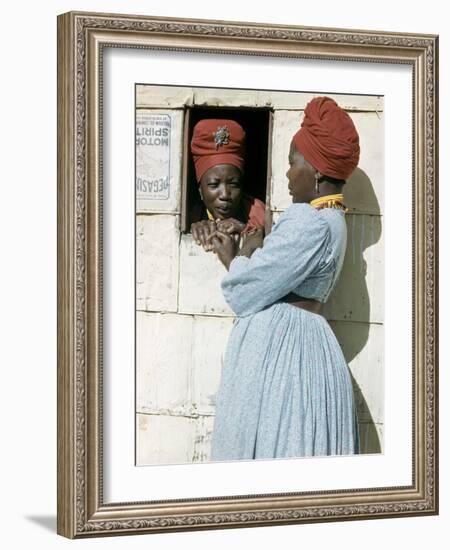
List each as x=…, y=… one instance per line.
x=291, y=252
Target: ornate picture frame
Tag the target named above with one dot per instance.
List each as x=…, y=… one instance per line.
x=82, y=40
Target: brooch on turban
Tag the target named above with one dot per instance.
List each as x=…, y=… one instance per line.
x=221, y=136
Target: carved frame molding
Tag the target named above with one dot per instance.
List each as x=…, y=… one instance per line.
x=81, y=38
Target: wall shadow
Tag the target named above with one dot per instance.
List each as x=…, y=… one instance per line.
x=349, y=309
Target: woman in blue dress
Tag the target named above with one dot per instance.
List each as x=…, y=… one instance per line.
x=286, y=389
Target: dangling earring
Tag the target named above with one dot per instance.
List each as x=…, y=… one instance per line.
x=317, y=175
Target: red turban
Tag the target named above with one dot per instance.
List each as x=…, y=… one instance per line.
x=328, y=139
x=217, y=141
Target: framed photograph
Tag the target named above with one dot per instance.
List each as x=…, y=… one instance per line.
x=182, y=401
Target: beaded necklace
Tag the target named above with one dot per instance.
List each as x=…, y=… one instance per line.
x=330, y=201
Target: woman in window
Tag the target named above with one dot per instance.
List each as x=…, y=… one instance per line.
x=218, y=150
x=286, y=389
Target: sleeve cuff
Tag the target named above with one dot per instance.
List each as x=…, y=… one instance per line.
x=238, y=264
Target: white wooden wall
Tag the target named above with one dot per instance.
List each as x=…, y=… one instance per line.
x=183, y=322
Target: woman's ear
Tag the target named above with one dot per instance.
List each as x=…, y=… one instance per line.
x=200, y=190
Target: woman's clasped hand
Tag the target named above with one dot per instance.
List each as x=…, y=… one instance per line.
x=204, y=230
x=224, y=242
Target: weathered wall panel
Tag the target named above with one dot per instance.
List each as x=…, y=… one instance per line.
x=208, y=347
x=202, y=439
x=164, y=359
x=163, y=439
x=154, y=97
x=225, y=98
x=359, y=292
x=200, y=276
x=363, y=348
x=157, y=265
x=298, y=101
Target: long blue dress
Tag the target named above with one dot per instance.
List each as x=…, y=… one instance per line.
x=286, y=389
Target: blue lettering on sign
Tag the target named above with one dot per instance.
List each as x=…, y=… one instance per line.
x=152, y=141
x=141, y=131
x=152, y=186
x=153, y=156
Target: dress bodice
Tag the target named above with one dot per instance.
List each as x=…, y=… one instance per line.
x=303, y=254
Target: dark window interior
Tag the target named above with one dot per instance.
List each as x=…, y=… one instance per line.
x=257, y=125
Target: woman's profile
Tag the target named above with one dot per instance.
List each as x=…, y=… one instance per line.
x=218, y=151
x=286, y=389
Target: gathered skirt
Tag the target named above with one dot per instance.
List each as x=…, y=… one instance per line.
x=285, y=389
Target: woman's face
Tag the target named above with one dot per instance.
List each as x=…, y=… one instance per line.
x=221, y=190
x=301, y=176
